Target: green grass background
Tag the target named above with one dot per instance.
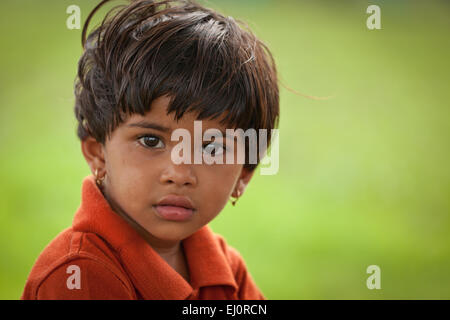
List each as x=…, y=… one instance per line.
x=363, y=178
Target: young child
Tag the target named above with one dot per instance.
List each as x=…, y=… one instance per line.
x=141, y=231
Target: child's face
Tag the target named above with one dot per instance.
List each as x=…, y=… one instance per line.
x=138, y=176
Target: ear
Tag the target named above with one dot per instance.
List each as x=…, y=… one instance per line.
x=93, y=152
x=244, y=179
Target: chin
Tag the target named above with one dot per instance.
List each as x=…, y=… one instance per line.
x=172, y=231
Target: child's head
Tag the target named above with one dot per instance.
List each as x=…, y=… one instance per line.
x=154, y=65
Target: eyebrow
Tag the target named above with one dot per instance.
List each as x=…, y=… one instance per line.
x=224, y=134
x=149, y=125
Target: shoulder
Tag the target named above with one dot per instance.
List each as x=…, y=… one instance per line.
x=232, y=255
x=77, y=265
x=247, y=288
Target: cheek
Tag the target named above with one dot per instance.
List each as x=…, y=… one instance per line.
x=131, y=180
x=217, y=185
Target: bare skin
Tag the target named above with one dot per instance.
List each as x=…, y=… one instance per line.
x=138, y=171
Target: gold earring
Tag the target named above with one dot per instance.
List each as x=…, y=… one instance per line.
x=97, y=180
x=238, y=195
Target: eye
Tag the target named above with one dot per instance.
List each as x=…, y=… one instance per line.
x=151, y=142
x=211, y=147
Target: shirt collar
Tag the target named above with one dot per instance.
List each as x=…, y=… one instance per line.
x=150, y=274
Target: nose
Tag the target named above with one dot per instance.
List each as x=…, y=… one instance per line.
x=180, y=174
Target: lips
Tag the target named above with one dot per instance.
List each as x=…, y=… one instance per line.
x=177, y=201
x=175, y=208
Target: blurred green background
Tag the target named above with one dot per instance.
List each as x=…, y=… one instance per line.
x=364, y=176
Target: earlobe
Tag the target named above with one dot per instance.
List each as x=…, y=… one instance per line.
x=93, y=153
x=246, y=176
x=244, y=179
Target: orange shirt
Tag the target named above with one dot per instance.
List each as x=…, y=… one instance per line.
x=102, y=257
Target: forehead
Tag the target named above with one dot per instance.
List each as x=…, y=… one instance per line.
x=158, y=115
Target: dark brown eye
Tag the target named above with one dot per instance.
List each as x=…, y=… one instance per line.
x=151, y=142
x=210, y=148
